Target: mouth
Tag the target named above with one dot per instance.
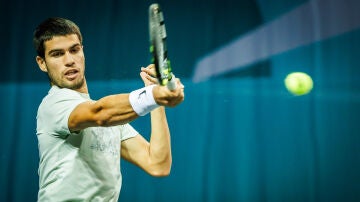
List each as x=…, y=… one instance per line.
x=71, y=74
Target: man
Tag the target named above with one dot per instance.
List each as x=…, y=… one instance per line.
x=81, y=140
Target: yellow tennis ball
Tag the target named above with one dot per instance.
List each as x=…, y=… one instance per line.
x=298, y=83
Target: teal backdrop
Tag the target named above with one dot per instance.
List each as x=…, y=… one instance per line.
x=239, y=135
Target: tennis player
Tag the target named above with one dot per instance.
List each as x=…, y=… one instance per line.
x=82, y=140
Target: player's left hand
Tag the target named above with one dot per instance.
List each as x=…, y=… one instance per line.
x=148, y=75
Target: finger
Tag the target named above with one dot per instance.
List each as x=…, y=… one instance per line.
x=178, y=82
x=151, y=66
x=152, y=79
x=149, y=78
x=143, y=77
x=151, y=72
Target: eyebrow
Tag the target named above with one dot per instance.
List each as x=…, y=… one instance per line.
x=55, y=50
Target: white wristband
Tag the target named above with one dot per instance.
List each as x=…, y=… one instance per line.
x=142, y=100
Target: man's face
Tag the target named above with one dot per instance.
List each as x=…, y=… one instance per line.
x=64, y=62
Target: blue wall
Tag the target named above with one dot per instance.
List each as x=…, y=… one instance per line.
x=238, y=136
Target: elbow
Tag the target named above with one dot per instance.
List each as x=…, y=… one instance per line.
x=161, y=170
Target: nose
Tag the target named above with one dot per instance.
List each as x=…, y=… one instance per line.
x=69, y=59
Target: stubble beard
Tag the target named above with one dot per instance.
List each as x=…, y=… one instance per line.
x=77, y=84
x=61, y=82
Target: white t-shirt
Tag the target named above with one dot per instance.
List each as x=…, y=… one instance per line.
x=82, y=166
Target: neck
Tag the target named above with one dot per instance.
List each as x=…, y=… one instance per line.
x=83, y=88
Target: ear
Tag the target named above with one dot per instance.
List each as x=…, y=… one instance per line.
x=41, y=63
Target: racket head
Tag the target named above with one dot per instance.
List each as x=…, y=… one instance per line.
x=158, y=49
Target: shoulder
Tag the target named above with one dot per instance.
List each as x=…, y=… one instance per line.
x=60, y=99
x=55, y=109
x=56, y=95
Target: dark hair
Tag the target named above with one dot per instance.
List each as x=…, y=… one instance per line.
x=50, y=28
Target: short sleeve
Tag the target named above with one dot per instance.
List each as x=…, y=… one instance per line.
x=127, y=131
x=55, y=109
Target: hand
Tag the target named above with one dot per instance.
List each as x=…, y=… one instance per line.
x=148, y=75
x=171, y=98
x=163, y=96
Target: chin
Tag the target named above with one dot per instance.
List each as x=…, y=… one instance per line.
x=77, y=85
x=73, y=85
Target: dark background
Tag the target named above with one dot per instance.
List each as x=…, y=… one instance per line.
x=238, y=136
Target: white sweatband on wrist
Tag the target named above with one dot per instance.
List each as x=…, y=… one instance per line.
x=142, y=100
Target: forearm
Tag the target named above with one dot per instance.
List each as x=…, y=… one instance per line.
x=115, y=110
x=107, y=111
x=160, y=142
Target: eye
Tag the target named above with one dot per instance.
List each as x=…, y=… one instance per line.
x=56, y=54
x=75, y=49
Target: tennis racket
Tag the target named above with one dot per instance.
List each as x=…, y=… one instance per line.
x=158, y=47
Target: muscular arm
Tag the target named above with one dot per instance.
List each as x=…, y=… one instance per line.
x=108, y=111
x=154, y=156
x=116, y=109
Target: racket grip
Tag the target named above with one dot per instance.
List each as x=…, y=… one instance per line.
x=171, y=85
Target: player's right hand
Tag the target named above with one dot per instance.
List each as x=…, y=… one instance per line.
x=170, y=98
